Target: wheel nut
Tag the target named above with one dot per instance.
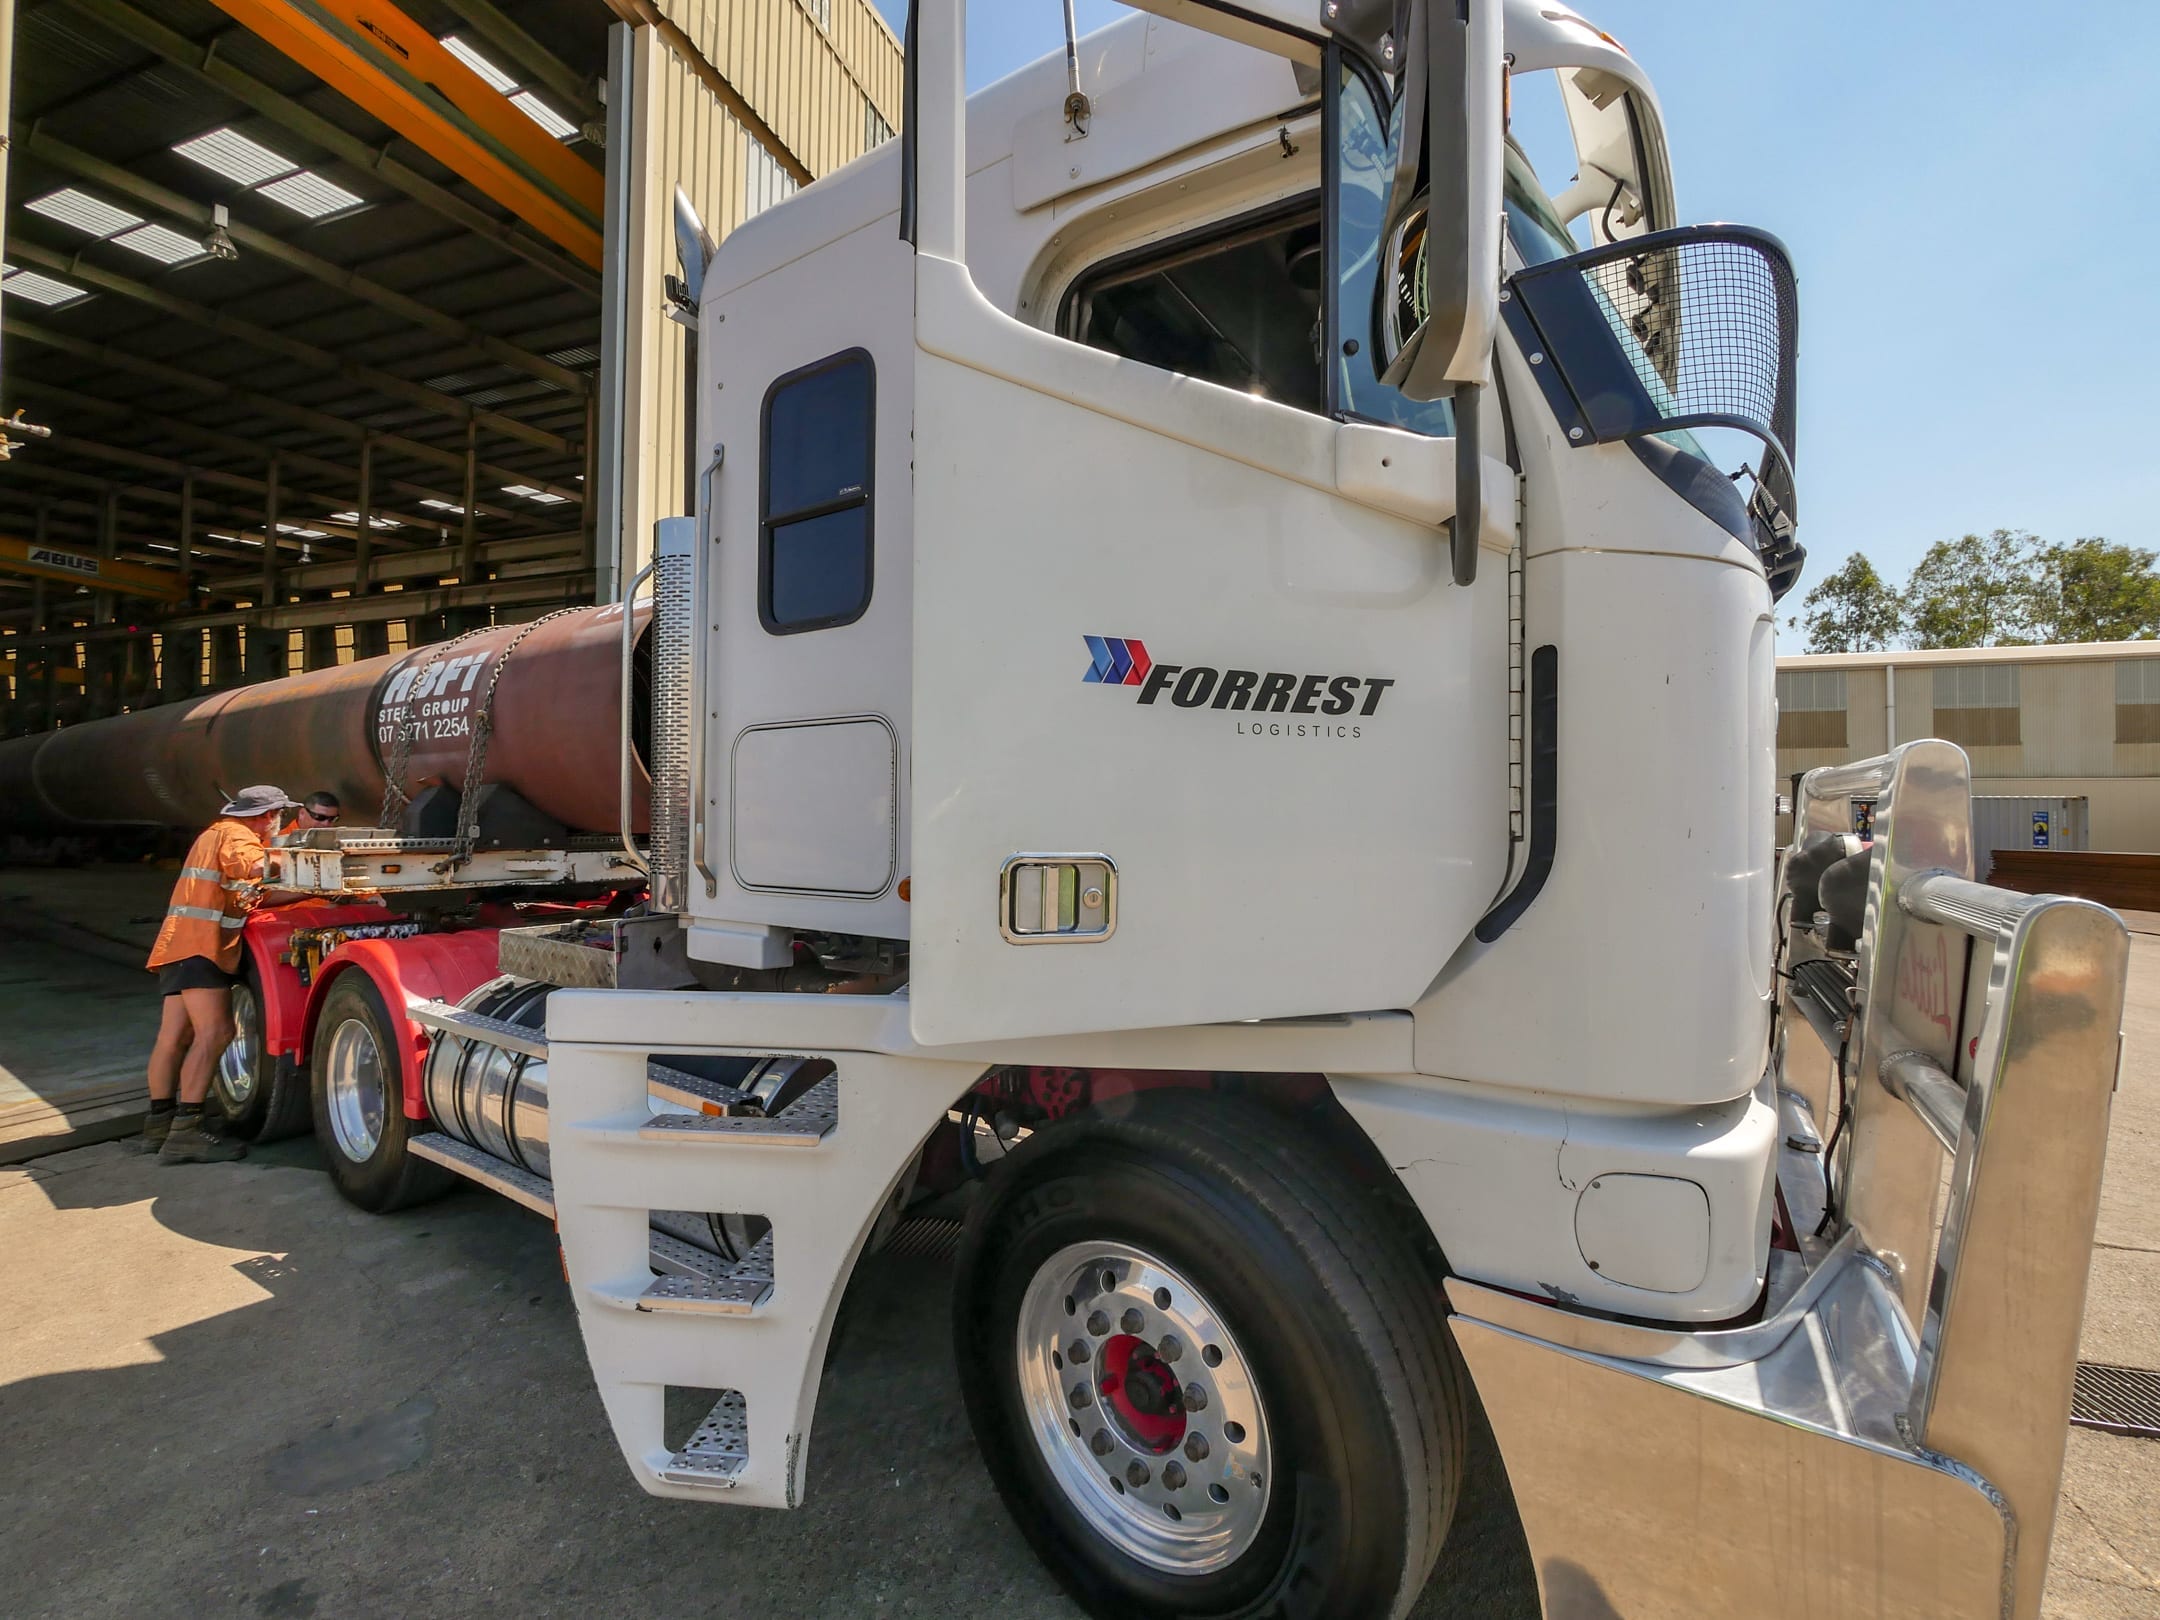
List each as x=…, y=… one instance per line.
x=1100, y=1445
x=1196, y=1447
x=1077, y=1350
x=1098, y=1323
x=1136, y=1472
x=1132, y=1322
x=1173, y=1475
x=1195, y=1398
x=1169, y=1349
x=1081, y=1395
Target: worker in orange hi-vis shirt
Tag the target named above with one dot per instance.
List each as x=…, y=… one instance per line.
x=196, y=959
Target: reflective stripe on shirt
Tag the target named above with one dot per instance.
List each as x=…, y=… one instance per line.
x=205, y=914
x=209, y=873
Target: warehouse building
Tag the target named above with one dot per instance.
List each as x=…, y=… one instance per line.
x=2080, y=721
x=331, y=330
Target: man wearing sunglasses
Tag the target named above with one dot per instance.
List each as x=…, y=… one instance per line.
x=320, y=810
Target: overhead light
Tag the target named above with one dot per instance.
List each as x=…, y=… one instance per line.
x=583, y=356
x=532, y=494
x=157, y=242
x=543, y=115
x=496, y=78
x=219, y=243
x=39, y=289
x=444, y=506
x=373, y=522
x=92, y=215
x=310, y=194
x=229, y=153
x=303, y=532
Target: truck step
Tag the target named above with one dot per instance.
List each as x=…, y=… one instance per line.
x=715, y=1455
x=694, y=1280
x=519, y=1186
x=804, y=1123
x=445, y=1019
x=692, y=1091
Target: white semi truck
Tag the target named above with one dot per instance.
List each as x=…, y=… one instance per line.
x=1215, y=673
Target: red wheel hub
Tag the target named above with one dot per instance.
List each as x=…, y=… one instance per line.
x=1140, y=1390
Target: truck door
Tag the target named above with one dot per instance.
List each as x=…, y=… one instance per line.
x=1203, y=730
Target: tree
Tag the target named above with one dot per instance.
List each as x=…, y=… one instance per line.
x=1852, y=610
x=2095, y=590
x=1978, y=591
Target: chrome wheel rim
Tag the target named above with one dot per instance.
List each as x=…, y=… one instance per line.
x=1143, y=1407
x=236, y=1064
x=353, y=1069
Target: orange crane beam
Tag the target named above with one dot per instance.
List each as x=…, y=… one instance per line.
x=19, y=556
x=383, y=61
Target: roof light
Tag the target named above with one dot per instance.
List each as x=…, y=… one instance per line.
x=532, y=494
x=496, y=78
x=233, y=155
x=373, y=522
x=301, y=531
x=92, y=215
x=584, y=355
x=543, y=115
x=310, y=194
x=444, y=506
x=40, y=289
x=156, y=242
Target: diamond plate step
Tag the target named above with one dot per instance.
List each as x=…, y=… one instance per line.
x=690, y=1090
x=716, y=1454
x=804, y=1123
x=2120, y=1400
x=519, y=1186
x=448, y=1020
x=696, y=1281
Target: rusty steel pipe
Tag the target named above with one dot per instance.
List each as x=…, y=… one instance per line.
x=556, y=720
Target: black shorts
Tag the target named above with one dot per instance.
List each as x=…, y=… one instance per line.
x=192, y=973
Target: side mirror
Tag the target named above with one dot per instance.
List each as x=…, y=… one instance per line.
x=1443, y=285
x=1449, y=169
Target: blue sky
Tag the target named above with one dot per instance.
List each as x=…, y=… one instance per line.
x=1967, y=190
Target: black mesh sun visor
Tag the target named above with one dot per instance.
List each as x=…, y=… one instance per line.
x=1676, y=330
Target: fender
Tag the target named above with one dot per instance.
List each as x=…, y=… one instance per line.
x=267, y=938
x=427, y=967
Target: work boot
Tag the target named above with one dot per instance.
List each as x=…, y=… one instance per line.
x=188, y=1143
x=153, y=1133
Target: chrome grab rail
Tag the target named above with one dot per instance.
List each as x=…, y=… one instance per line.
x=1989, y=1026
x=708, y=536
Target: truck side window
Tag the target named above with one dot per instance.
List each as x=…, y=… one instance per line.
x=1237, y=304
x=814, y=566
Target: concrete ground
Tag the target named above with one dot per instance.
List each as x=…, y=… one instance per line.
x=224, y=1391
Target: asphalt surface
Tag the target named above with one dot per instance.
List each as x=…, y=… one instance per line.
x=224, y=1391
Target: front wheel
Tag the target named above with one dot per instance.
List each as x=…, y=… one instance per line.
x=359, y=1108
x=1208, y=1378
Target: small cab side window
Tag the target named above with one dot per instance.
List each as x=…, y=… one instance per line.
x=814, y=528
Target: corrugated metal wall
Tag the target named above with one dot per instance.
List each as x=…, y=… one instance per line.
x=812, y=83
x=815, y=87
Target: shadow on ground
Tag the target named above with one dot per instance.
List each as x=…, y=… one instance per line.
x=330, y=1413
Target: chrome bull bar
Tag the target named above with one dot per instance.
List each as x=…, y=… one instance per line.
x=1886, y=1439
x=1989, y=1029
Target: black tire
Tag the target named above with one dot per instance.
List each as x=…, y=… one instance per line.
x=1341, y=1325
x=387, y=1176
x=245, y=1081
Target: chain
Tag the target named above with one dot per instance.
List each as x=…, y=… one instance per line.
x=395, y=798
x=468, y=825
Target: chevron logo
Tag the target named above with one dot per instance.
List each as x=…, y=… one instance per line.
x=1116, y=661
